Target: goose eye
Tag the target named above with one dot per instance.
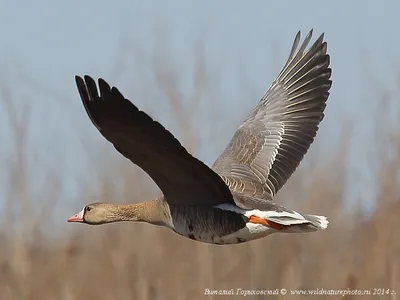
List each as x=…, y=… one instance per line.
x=88, y=208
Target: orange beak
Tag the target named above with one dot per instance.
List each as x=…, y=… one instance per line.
x=77, y=217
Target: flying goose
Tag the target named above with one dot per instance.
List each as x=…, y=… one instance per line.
x=231, y=202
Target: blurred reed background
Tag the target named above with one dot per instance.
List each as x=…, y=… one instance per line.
x=43, y=258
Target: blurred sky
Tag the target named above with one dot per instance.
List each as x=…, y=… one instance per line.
x=48, y=42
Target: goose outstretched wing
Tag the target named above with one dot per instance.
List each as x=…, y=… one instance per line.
x=182, y=178
x=268, y=147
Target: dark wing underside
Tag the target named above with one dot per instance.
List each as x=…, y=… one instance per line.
x=269, y=145
x=182, y=178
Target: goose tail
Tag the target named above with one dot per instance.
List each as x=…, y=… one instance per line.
x=319, y=222
x=294, y=222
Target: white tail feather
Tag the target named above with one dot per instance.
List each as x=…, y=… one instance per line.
x=321, y=222
x=288, y=217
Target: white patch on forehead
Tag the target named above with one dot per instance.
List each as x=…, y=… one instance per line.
x=80, y=214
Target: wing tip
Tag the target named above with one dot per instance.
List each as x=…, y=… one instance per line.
x=79, y=81
x=85, y=79
x=102, y=81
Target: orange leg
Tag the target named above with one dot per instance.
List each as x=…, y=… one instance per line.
x=257, y=220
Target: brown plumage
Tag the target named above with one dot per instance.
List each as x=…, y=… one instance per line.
x=230, y=202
